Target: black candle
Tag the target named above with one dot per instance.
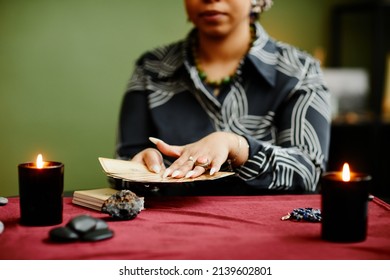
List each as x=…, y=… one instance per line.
x=41, y=186
x=344, y=206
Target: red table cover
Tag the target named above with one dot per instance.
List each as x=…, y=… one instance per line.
x=202, y=228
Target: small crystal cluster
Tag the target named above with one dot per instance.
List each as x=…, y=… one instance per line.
x=304, y=214
x=124, y=205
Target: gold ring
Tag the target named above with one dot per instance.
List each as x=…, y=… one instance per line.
x=205, y=165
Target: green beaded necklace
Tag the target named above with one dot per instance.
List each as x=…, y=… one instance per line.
x=225, y=80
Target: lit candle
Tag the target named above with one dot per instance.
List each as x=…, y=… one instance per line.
x=344, y=205
x=41, y=185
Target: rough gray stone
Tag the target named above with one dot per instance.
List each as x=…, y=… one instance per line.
x=124, y=205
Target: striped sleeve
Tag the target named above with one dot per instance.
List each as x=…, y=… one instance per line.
x=298, y=157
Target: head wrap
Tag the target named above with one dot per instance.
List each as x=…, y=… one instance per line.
x=257, y=7
x=264, y=5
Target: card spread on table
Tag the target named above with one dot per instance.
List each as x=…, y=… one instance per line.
x=136, y=172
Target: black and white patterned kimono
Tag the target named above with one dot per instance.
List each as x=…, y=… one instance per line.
x=277, y=101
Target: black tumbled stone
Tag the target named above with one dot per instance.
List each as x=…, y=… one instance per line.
x=63, y=234
x=97, y=235
x=84, y=228
x=100, y=224
x=82, y=224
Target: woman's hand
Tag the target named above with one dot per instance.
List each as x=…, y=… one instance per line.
x=152, y=158
x=209, y=153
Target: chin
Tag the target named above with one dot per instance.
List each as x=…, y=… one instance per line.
x=214, y=31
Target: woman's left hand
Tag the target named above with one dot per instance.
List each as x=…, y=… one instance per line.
x=209, y=153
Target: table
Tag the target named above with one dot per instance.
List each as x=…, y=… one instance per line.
x=201, y=228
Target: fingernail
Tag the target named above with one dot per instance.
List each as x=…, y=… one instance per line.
x=175, y=173
x=166, y=173
x=156, y=169
x=154, y=140
x=190, y=174
x=213, y=171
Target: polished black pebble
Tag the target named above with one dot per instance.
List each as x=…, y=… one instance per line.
x=100, y=224
x=97, y=235
x=84, y=228
x=82, y=224
x=3, y=201
x=63, y=234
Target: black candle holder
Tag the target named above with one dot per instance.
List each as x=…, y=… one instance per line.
x=344, y=207
x=41, y=193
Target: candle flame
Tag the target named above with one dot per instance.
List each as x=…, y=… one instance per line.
x=346, y=175
x=39, y=161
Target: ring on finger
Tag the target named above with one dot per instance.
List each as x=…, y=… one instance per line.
x=191, y=158
x=205, y=165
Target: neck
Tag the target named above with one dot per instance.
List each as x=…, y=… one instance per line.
x=227, y=47
x=218, y=58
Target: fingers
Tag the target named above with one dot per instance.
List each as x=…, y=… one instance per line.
x=180, y=167
x=193, y=167
x=166, y=149
x=206, y=155
x=152, y=158
x=196, y=172
x=214, y=166
x=154, y=162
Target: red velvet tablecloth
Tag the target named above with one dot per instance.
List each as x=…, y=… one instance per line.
x=204, y=228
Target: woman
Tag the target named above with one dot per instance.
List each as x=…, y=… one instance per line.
x=228, y=93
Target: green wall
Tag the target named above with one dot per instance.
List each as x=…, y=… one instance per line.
x=64, y=66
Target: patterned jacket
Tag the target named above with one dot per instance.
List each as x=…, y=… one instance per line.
x=277, y=101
